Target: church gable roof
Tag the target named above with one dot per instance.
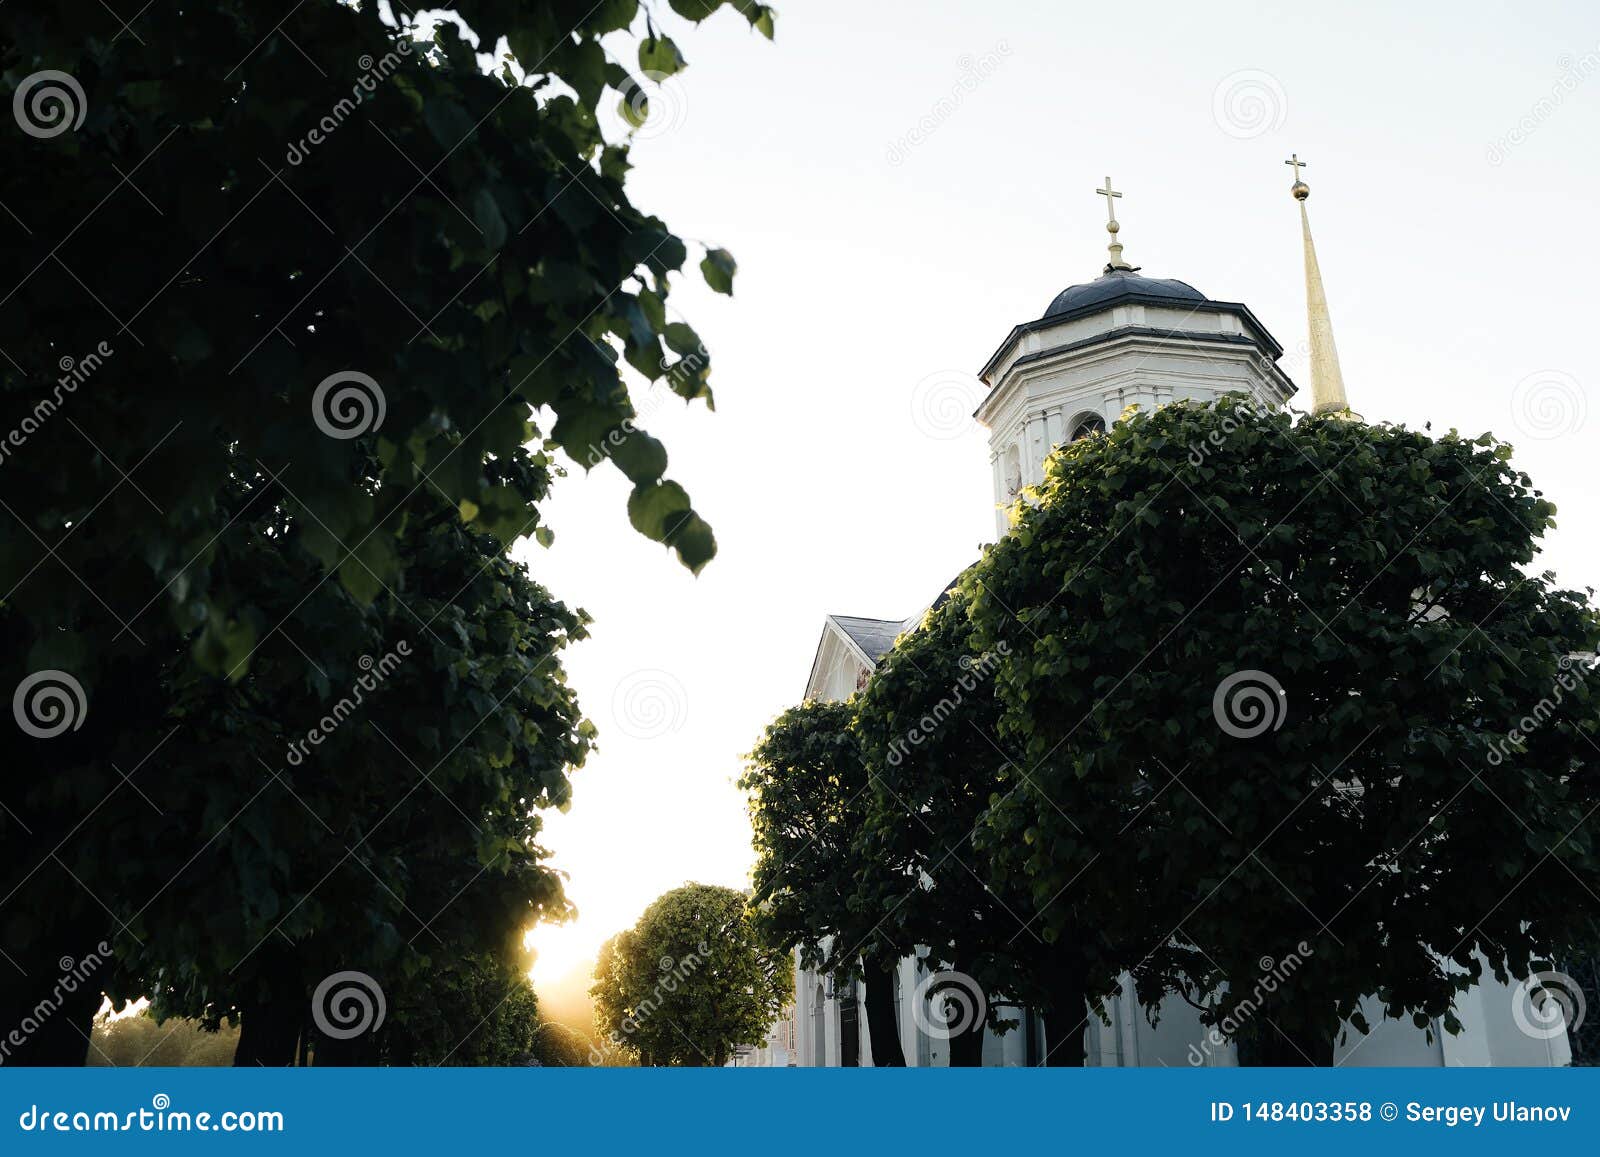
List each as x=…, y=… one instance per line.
x=873, y=636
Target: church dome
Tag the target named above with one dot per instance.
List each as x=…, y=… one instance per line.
x=1116, y=286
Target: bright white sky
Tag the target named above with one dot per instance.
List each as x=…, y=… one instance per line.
x=1451, y=279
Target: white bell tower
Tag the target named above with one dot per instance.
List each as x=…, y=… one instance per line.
x=1108, y=344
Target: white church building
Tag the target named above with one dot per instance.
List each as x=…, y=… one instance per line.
x=1123, y=339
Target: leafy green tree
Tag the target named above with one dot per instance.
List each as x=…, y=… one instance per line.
x=1317, y=645
x=439, y=726
x=928, y=729
x=470, y=1010
x=691, y=980
x=316, y=263
x=808, y=800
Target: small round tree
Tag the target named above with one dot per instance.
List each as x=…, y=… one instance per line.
x=1317, y=647
x=690, y=981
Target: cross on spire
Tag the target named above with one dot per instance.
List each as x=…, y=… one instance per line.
x=1300, y=189
x=1116, y=264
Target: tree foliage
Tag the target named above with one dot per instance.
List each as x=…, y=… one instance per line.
x=1371, y=584
x=1234, y=688
x=308, y=306
x=807, y=790
x=690, y=981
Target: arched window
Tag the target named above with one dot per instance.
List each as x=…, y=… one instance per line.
x=1085, y=425
x=1013, y=472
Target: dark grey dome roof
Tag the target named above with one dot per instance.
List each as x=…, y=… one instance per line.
x=1115, y=286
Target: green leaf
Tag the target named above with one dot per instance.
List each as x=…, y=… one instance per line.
x=639, y=456
x=487, y=214
x=718, y=269
x=652, y=507
x=658, y=54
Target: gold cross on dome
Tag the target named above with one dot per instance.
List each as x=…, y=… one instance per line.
x=1297, y=164
x=1111, y=206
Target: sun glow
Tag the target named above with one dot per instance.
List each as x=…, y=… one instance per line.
x=560, y=950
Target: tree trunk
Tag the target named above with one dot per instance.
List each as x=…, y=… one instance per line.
x=356, y=1052
x=966, y=1049
x=269, y=1034
x=1067, y=1016
x=47, y=999
x=883, y=1028
x=1273, y=1048
x=55, y=1025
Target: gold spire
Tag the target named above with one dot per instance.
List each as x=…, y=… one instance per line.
x=1327, y=383
x=1116, y=264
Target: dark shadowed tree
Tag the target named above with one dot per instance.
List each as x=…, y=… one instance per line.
x=294, y=271
x=1319, y=645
